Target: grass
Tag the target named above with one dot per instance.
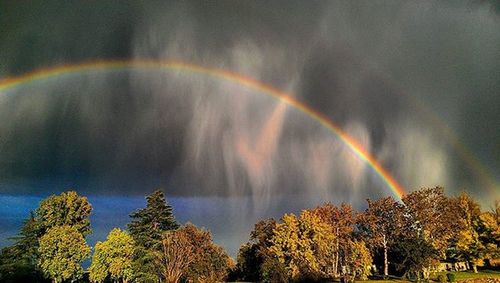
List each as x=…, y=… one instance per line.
x=463, y=275
x=459, y=276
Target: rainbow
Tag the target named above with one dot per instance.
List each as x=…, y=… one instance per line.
x=485, y=177
x=352, y=143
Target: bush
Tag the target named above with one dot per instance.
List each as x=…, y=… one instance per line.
x=441, y=278
x=451, y=277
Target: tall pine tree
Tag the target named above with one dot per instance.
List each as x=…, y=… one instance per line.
x=146, y=228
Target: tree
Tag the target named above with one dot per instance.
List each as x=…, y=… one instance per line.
x=19, y=261
x=62, y=249
x=175, y=256
x=413, y=254
x=467, y=243
x=210, y=262
x=304, y=245
x=146, y=228
x=113, y=258
x=429, y=214
x=380, y=224
x=341, y=220
x=489, y=232
x=148, y=224
x=189, y=254
x=14, y=268
x=65, y=209
x=254, y=261
x=26, y=242
x=359, y=259
x=68, y=208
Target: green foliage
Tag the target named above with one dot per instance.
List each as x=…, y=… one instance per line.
x=309, y=247
x=146, y=228
x=14, y=267
x=273, y=270
x=68, y=208
x=23, y=256
x=26, y=242
x=113, y=258
x=254, y=262
x=451, y=277
x=62, y=249
x=413, y=254
x=441, y=278
x=149, y=223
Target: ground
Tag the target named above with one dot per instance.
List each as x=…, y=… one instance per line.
x=464, y=276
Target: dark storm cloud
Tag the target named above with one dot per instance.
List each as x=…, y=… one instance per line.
x=357, y=62
x=41, y=33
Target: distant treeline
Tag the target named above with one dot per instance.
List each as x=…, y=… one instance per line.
x=408, y=238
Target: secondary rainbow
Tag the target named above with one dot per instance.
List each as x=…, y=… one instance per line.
x=352, y=143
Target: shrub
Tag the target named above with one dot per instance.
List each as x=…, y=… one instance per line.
x=451, y=277
x=441, y=278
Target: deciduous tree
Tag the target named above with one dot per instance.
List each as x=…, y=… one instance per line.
x=210, y=262
x=62, y=250
x=68, y=208
x=359, y=259
x=304, y=245
x=189, y=253
x=175, y=255
x=254, y=262
x=430, y=215
x=467, y=242
x=380, y=224
x=113, y=258
x=413, y=254
x=341, y=220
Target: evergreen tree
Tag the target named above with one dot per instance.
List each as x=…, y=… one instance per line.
x=146, y=228
x=21, y=260
x=25, y=246
x=149, y=223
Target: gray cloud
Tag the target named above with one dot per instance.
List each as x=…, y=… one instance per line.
x=362, y=64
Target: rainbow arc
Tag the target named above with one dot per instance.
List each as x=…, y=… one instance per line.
x=284, y=97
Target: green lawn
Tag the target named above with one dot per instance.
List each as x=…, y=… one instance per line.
x=462, y=275
x=459, y=276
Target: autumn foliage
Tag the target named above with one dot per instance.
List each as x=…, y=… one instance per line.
x=408, y=238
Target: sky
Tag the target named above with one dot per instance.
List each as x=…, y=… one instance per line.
x=415, y=83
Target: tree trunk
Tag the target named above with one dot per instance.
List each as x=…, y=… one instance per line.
x=386, y=264
x=336, y=263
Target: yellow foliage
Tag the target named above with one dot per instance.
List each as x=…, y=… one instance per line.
x=304, y=245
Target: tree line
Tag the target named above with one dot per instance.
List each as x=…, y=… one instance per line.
x=406, y=238
x=51, y=246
